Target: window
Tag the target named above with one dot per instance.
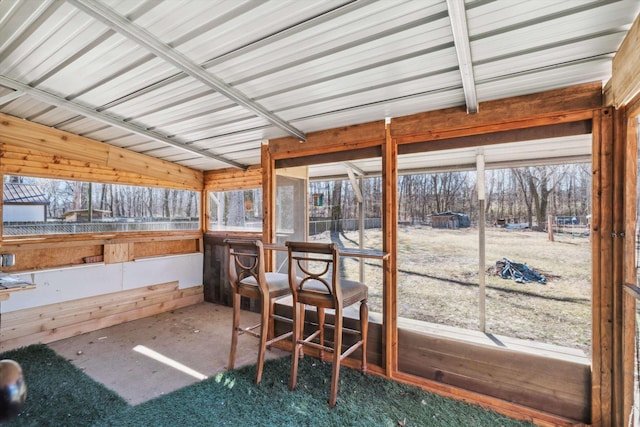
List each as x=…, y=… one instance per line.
x=334, y=216
x=34, y=206
x=461, y=256
x=236, y=210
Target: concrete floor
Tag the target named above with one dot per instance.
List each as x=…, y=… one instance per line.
x=147, y=358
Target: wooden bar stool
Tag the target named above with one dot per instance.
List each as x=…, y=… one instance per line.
x=249, y=279
x=314, y=277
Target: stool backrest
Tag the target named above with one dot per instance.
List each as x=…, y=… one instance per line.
x=246, y=261
x=314, y=273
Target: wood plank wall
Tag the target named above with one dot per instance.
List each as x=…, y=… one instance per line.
x=54, y=322
x=33, y=150
x=521, y=376
x=233, y=179
x=38, y=150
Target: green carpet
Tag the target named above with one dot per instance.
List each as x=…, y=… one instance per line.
x=59, y=394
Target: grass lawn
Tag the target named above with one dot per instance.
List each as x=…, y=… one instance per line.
x=438, y=281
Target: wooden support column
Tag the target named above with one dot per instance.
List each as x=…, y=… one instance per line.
x=268, y=202
x=630, y=146
x=617, y=266
x=389, y=245
x=603, y=276
x=206, y=206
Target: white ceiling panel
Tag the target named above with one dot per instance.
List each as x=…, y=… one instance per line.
x=296, y=65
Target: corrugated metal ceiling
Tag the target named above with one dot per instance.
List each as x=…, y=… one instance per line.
x=119, y=70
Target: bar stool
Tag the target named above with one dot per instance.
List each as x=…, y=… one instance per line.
x=249, y=279
x=314, y=278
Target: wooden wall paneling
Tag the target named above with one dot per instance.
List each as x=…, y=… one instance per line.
x=489, y=403
x=66, y=145
x=169, y=247
x=39, y=258
x=118, y=252
x=128, y=160
x=31, y=135
x=389, y=245
x=62, y=250
x=555, y=385
x=63, y=320
x=16, y=160
x=629, y=269
x=551, y=107
x=233, y=179
x=625, y=79
x=214, y=271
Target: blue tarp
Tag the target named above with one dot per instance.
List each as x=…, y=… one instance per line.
x=519, y=272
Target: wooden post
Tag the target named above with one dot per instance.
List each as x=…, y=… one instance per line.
x=602, y=395
x=389, y=245
x=481, y=241
x=629, y=272
x=550, y=227
x=361, y=228
x=268, y=203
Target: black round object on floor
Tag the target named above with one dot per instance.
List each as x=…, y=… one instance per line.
x=13, y=390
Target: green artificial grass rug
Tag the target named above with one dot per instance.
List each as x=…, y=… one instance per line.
x=58, y=394
x=232, y=399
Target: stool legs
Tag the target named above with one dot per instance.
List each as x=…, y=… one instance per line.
x=265, y=314
x=364, y=331
x=234, y=330
x=321, y=317
x=337, y=356
x=298, y=332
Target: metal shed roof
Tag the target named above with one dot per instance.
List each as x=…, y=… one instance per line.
x=203, y=82
x=18, y=193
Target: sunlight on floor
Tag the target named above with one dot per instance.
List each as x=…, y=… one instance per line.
x=169, y=362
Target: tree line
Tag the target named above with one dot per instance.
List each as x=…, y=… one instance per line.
x=516, y=195
x=116, y=201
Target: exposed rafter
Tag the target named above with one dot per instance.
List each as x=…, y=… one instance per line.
x=354, y=168
x=458, y=17
x=133, y=32
x=105, y=118
x=354, y=184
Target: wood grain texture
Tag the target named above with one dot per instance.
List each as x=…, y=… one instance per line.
x=555, y=385
x=19, y=160
x=625, y=80
x=63, y=320
x=630, y=159
x=67, y=147
x=389, y=245
x=331, y=140
x=118, y=252
x=233, y=179
x=557, y=106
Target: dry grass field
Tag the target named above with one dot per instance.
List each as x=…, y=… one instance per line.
x=438, y=281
